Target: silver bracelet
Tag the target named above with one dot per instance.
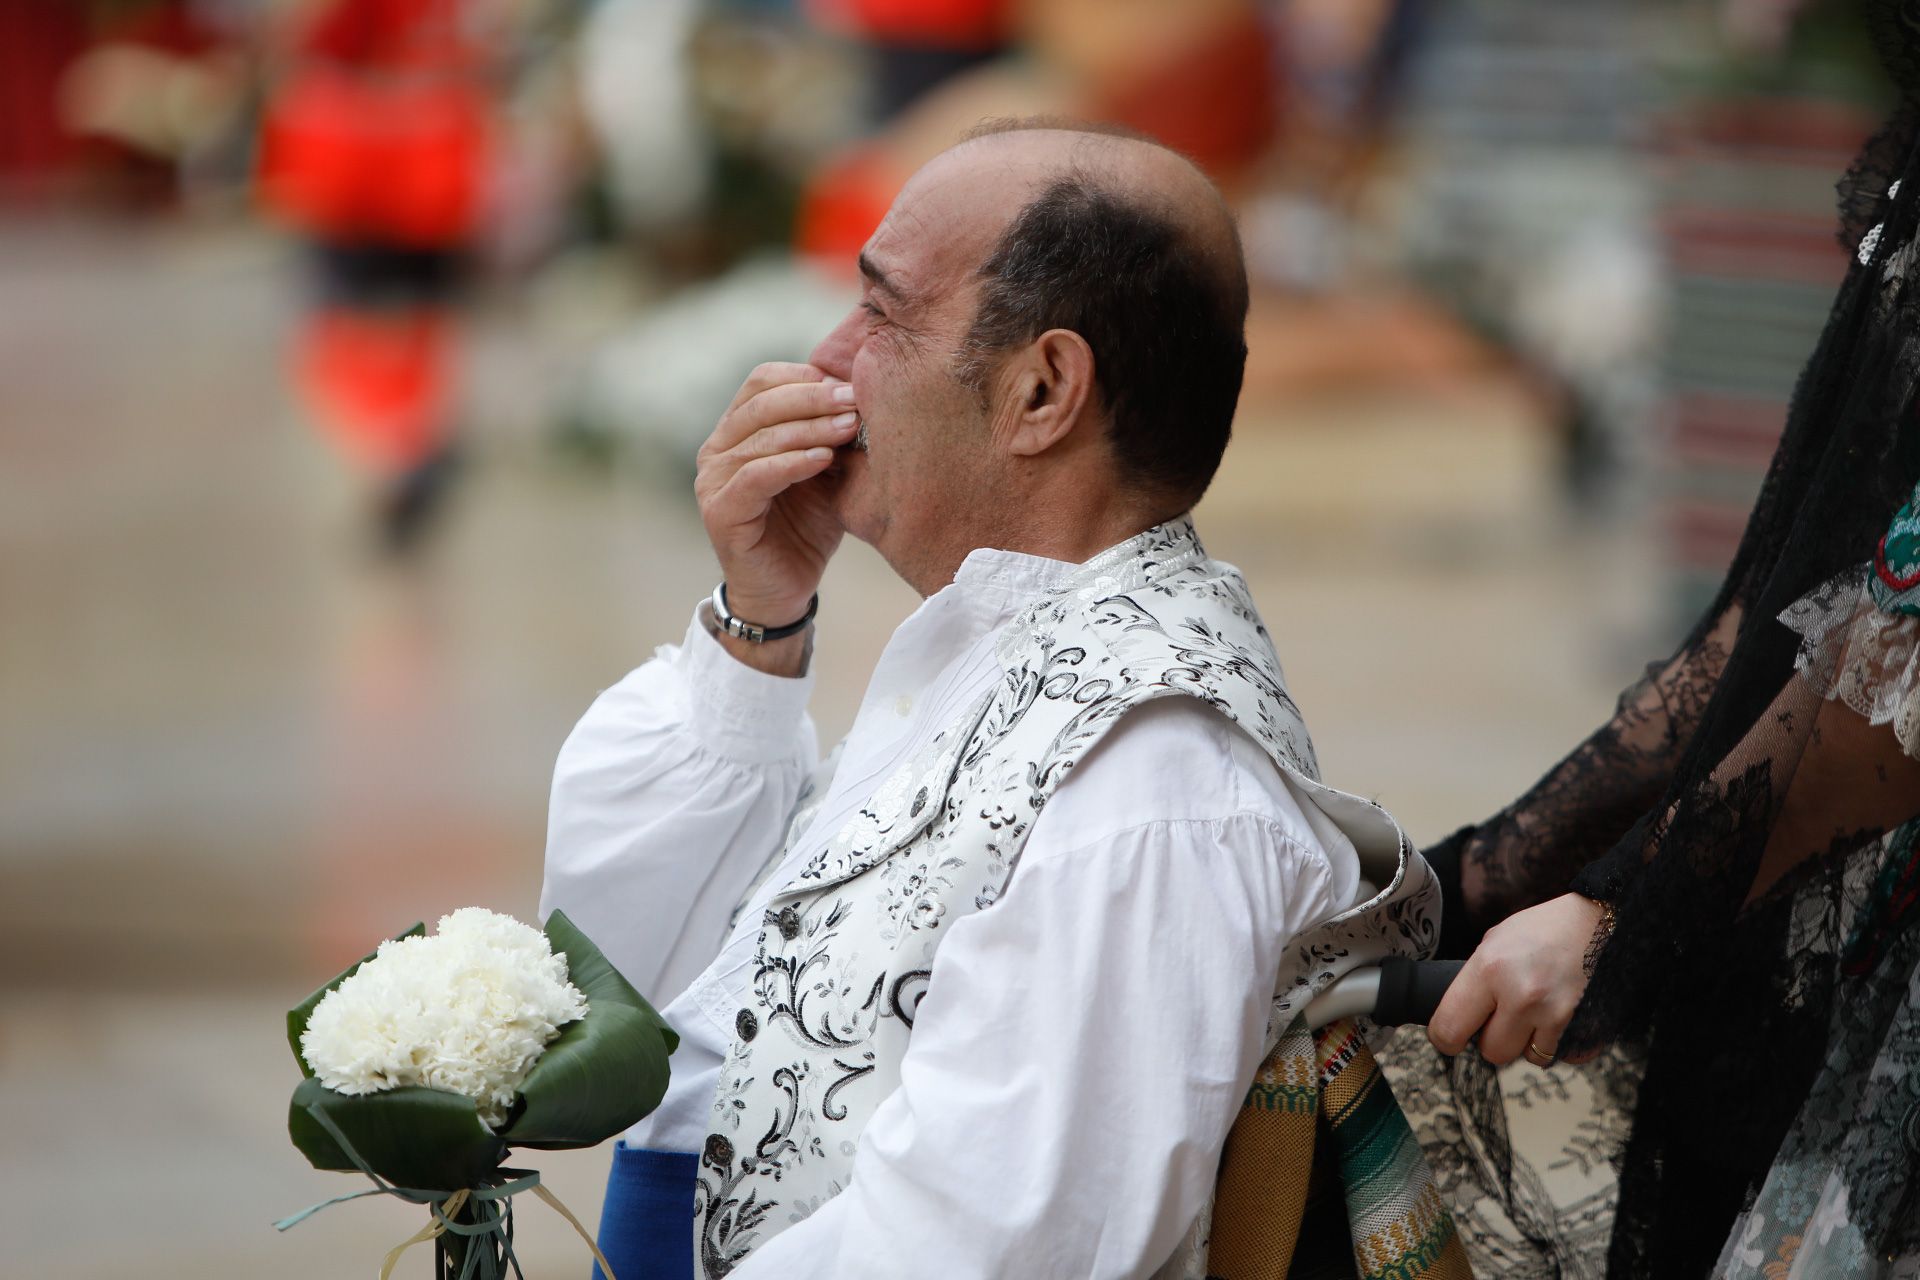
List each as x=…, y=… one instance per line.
x=753, y=632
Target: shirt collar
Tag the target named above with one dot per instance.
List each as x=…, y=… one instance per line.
x=1004, y=597
x=1010, y=573
x=1142, y=562
x=998, y=584
x=1142, y=558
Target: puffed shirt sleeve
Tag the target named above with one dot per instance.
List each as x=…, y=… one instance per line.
x=669, y=797
x=1085, y=1044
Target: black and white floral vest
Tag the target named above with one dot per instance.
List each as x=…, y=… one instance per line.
x=846, y=947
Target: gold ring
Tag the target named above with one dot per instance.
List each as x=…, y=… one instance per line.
x=1536, y=1057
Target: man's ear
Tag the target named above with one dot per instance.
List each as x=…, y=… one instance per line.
x=1046, y=392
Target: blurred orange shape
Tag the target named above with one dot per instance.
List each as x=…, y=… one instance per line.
x=378, y=382
x=842, y=205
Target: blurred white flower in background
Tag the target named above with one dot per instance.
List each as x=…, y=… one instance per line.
x=468, y=1010
x=636, y=92
x=666, y=380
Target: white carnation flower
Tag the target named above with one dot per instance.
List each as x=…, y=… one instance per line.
x=468, y=1010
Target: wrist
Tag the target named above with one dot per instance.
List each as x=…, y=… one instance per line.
x=756, y=628
x=789, y=657
x=1603, y=922
x=767, y=611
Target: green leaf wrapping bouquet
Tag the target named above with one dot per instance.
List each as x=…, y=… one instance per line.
x=426, y=1061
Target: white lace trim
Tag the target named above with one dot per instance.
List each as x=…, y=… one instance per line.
x=1853, y=651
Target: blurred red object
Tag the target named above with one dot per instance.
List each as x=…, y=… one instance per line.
x=1216, y=103
x=942, y=24
x=39, y=39
x=842, y=204
x=396, y=35
x=169, y=25
x=381, y=132
x=347, y=157
x=380, y=381
x=1216, y=100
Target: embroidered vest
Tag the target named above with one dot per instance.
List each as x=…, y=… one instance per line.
x=847, y=945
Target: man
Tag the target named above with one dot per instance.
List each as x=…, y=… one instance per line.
x=1007, y=961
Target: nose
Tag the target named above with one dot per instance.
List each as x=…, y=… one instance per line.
x=836, y=351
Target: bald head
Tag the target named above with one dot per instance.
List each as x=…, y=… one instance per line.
x=1124, y=242
x=1130, y=166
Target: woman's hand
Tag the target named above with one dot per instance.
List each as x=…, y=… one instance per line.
x=1519, y=988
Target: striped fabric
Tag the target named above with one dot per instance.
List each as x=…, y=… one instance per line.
x=1321, y=1175
x=1746, y=225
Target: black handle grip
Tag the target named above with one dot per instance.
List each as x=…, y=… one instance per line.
x=1410, y=990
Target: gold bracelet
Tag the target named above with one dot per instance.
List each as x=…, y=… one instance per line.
x=1601, y=933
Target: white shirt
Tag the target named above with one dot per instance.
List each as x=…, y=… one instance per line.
x=1083, y=1046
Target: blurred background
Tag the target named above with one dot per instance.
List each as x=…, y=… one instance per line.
x=353, y=356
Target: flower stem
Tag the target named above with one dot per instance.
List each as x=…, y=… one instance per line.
x=475, y=1257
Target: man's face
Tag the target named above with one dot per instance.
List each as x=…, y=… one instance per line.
x=915, y=490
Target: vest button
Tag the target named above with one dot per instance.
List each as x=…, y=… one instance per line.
x=746, y=1026
x=788, y=922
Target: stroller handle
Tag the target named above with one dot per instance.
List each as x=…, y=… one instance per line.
x=1398, y=993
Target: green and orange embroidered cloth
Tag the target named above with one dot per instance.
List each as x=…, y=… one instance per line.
x=1321, y=1175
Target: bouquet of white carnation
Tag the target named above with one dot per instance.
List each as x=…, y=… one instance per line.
x=430, y=1058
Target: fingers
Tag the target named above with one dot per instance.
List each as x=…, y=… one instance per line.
x=717, y=470
x=1507, y=1034
x=784, y=402
x=1530, y=1007
x=773, y=374
x=1507, y=1010
x=1463, y=1010
x=830, y=431
x=745, y=497
x=1521, y=985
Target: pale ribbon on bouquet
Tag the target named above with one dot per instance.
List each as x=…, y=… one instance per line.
x=443, y=1205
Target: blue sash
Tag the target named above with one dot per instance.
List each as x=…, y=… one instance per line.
x=646, y=1225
